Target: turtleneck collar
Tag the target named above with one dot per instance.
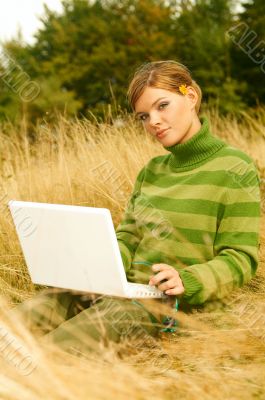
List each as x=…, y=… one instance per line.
x=196, y=149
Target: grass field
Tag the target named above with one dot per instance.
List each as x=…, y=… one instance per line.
x=218, y=351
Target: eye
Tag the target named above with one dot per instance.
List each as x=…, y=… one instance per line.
x=163, y=105
x=142, y=117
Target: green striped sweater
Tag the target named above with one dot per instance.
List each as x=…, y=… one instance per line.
x=198, y=210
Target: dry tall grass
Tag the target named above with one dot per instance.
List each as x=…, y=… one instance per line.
x=218, y=351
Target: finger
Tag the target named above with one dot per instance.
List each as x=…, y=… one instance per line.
x=170, y=284
x=154, y=280
x=161, y=267
x=175, y=291
x=178, y=289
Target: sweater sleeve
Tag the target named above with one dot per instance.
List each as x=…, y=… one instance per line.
x=127, y=233
x=236, y=243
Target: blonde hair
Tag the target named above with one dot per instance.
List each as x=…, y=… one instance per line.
x=168, y=75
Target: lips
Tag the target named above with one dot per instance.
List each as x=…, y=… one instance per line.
x=161, y=133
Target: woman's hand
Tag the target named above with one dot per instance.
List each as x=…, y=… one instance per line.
x=173, y=284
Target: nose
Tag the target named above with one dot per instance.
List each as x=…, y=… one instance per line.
x=154, y=120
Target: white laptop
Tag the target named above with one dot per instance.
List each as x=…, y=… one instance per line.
x=73, y=247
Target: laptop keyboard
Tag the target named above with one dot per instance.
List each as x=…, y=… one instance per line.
x=141, y=290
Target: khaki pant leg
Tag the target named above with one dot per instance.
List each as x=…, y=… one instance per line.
x=46, y=311
x=108, y=319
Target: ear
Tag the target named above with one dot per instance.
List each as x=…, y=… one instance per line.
x=192, y=96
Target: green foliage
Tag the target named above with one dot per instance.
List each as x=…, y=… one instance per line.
x=83, y=58
x=248, y=64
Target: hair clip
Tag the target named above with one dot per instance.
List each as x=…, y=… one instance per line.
x=183, y=89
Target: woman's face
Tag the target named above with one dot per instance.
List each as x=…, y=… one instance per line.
x=162, y=110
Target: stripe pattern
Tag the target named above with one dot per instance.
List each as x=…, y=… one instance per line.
x=198, y=210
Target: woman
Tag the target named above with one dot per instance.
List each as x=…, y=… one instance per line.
x=193, y=219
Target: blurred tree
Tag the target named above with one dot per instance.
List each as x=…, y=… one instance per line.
x=248, y=51
x=87, y=52
x=83, y=58
x=202, y=44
